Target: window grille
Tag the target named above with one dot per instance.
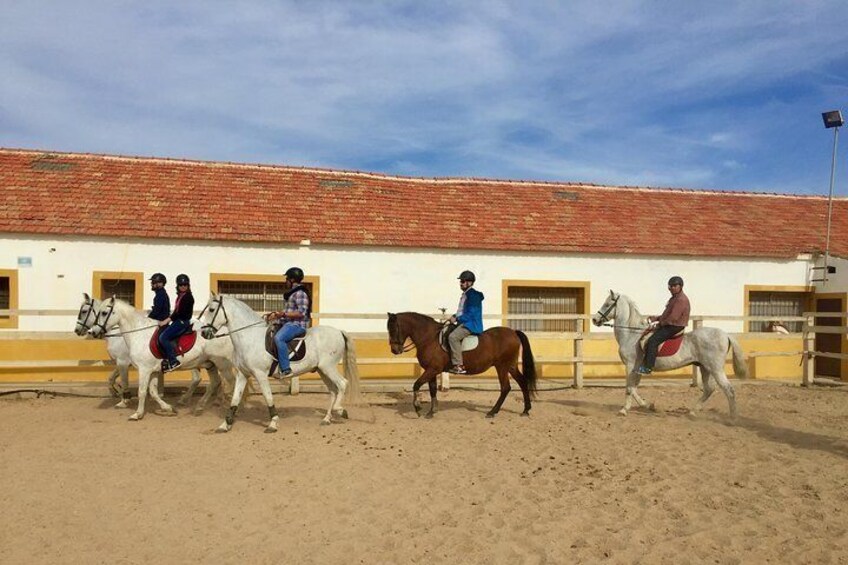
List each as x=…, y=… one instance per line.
x=778, y=305
x=5, y=295
x=261, y=296
x=123, y=289
x=544, y=300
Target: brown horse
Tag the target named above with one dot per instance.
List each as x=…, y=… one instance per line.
x=498, y=347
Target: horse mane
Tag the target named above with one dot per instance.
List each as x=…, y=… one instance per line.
x=634, y=315
x=239, y=304
x=418, y=316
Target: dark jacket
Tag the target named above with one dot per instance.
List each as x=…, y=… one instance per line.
x=472, y=311
x=183, y=307
x=161, y=305
x=676, y=311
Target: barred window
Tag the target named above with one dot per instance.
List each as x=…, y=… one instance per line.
x=779, y=305
x=5, y=295
x=123, y=289
x=261, y=296
x=545, y=300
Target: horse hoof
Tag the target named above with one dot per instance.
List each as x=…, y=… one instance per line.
x=134, y=418
x=652, y=407
x=525, y=414
x=344, y=414
x=169, y=412
x=270, y=430
x=622, y=412
x=326, y=422
x=121, y=404
x=429, y=415
x=490, y=414
x=222, y=429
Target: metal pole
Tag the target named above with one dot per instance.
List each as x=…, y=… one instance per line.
x=830, y=203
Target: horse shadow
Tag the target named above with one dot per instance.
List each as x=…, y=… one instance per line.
x=403, y=404
x=795, y=438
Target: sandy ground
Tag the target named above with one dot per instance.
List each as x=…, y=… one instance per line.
x=574, y=483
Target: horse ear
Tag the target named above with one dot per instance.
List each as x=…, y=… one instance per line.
x=612, y=293
x=86, y=296
x=212, y=292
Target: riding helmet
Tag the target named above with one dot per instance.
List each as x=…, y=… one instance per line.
x=158, y=278
x=295, y=274
x=675, y=280
x=182, y=279
x=467, y=276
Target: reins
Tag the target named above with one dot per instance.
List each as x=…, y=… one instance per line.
x=211, y=323
x=131, y=331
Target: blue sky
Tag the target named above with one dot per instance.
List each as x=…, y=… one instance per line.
x=724, y=95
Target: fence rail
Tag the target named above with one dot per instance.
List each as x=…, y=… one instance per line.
x=577, y=359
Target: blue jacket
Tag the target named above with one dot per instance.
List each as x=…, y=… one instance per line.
x=472, y=311
x=161, y=305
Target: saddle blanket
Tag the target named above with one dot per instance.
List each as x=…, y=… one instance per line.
x=184, y=343
x=667, y=348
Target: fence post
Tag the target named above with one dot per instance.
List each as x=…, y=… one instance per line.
x=578, y=356
x=294, y=386
x=444, y=381
x=697, y=380
x=809, y=359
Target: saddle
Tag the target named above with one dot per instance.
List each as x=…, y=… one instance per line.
x=667, y=348
x=469, y=343
x=184, y=342
x=297, y=346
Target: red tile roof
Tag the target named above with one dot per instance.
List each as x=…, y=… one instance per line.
x=99, y=195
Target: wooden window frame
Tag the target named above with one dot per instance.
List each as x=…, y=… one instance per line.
x=97, y=284
x=11, y=323
x=315, y=281
x=586, y=286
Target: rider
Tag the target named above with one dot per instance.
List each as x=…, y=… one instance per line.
x=468, y=317
x=179, y=320
x=296, y=316
x=161, y=302
x=672, y=321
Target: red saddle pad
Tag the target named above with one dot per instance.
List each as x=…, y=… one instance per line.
x=184, y=343
x=670, y=346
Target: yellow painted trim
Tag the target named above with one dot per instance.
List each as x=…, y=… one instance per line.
x=586, y=286
x=214, y=278
x=98, y=276
x=773, y=288
x=12, y=321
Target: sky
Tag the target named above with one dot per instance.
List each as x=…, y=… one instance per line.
x=678, y=93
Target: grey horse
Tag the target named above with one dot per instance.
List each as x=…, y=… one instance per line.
x=704, y=347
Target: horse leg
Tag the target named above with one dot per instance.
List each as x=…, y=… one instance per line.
x=154, y=392
x=331, y=387
x=630, y=386
x=143, y=386
x=707, y=383
x=503, y=379
x=432, y=384
x=525, y=391
x=425, y=377
x=268, y=395
x=116, y=392
x=123, y=370
x=241, y=382
x=195, y=380
x=340, y=385
x=211, y=390
x=727, y=389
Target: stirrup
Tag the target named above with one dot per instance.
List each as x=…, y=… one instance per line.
x=642, y=370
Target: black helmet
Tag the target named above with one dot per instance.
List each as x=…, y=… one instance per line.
x=675, y=280
x=467, y=276
x=159, y=278
x=295, y=274
x=182, y=279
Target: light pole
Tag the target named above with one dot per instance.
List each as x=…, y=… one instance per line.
x=832, y=119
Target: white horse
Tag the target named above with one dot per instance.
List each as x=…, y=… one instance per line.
x=137, y=329
x=118, y=351
x=326, y=347
x=704, y=347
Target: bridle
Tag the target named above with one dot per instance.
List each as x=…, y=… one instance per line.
x=84, y=322
x=605, y=314
x=211, y=324
x=392, y=339
x=102, y=325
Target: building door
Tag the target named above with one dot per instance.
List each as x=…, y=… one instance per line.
x=829, y=343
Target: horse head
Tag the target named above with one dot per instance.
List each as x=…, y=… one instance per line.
x=396, y=340
x=606, y=313
x=86, y=315
x=106, y=317
x=214, y=316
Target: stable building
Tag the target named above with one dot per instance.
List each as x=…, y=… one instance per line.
x=373, y=243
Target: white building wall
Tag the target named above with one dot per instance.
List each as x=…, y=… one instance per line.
x=838, y=281
x=378, y=280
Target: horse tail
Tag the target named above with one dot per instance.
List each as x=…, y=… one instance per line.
x=351, y=371
x=740, y=368
x=527, y=363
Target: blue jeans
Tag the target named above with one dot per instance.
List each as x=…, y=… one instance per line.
x=175, y=329
x=288, y=332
